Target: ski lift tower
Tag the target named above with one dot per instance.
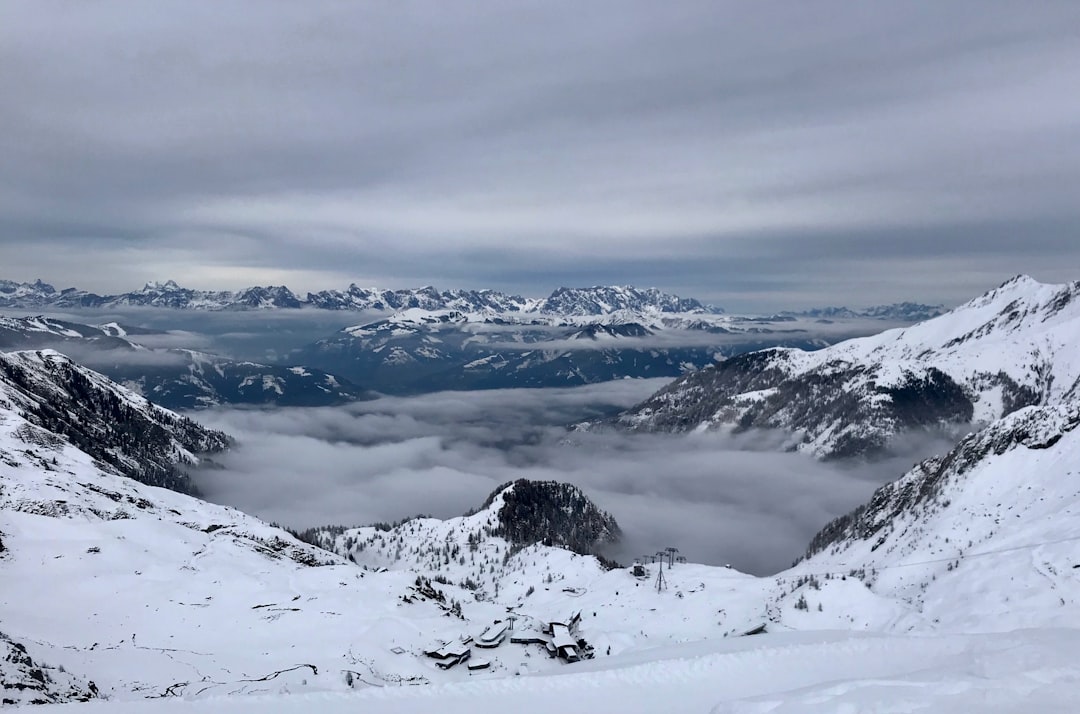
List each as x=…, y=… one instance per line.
x=661, y=582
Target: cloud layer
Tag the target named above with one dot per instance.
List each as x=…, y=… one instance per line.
x=753, y=155
x=717, y=498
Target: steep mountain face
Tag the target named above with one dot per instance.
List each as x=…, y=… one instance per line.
x=121, y=430
x=475, y=550
x=1005, y=350
x=178, y=378
x=983, y=537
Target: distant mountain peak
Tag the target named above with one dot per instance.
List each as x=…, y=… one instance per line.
x=156, y=286
x=604, y=300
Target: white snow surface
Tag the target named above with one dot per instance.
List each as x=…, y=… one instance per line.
x=1023, y=336
x=1025, y=329
x=969, y=601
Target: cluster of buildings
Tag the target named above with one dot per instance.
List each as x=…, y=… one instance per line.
x=558, y=637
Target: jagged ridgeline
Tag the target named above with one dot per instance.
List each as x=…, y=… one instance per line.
x=125, y=433
x=924, y=490
x=985, y=359
x=552, y=513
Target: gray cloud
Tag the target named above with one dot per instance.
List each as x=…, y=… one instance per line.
x=718, y=498
x=749, y=155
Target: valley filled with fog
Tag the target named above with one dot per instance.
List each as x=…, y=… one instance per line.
x=719, y=498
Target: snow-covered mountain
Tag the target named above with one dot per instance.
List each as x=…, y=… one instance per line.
x=955, y=585
x=171, y=295
x=425, y=298
x=178, y=378
x=418, y=350
x=475, y=551
x=982, y=538
x=121, y=430
x=38, y=295
x=1010, y=348
x=900, y=312
x=598, y=300
x=604, y=300
x=148, y=592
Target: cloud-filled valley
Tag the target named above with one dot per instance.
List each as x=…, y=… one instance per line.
x=718, y=498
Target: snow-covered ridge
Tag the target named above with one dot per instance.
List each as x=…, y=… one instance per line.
x=598, y=300
x=419, y=350
x=1013, y=347
x=150, y=593
x=122, y=430
x=980, y=539
x=475, y=550
x=177, y=378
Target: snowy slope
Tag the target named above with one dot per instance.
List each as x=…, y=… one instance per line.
x=476, y=550
x=954, y=589
x=142, y=590
x=1013, y=347
x=819, y=673
x=982, y=539
x=125, y=433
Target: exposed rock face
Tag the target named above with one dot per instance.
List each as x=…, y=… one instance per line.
x=603, y=300
x=23, y=680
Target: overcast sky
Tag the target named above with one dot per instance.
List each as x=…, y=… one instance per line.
x=751, y=154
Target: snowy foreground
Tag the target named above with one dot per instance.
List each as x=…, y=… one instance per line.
x=957, y=589
x=1033, y=670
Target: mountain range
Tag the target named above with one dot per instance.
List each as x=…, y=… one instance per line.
x=599, y=300
x=178, y=378
x=1010, y=348
x=431, y=340
x=953, y=587
x=563, y=301
x=417, y=350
